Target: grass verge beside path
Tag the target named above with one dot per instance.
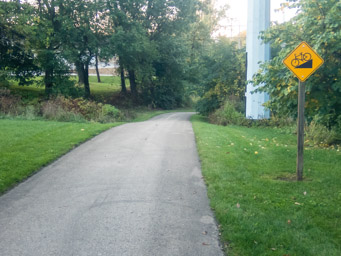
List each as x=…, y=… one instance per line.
x=261, y=209
x=26, y=146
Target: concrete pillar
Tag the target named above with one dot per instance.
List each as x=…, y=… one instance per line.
x=258, y=20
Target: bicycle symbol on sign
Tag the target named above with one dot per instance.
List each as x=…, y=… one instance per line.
x=302, y=57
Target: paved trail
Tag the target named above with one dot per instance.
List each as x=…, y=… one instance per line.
x=136, y=189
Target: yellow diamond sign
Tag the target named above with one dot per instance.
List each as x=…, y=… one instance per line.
x=303, y=61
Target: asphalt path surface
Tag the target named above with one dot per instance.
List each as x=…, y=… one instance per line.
x=136, y=189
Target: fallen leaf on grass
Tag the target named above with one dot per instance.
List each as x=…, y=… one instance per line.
x=289, y=221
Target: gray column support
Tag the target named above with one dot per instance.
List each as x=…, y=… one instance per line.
x=258, y=20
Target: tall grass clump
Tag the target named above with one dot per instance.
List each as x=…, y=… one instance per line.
x=79, y=109
x=58, y=108
x=319, y=134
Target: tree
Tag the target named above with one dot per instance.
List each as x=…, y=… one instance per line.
x=16, y=60
x=223, y=77
x=81, y=35
x=319, y=24
x=45, y=38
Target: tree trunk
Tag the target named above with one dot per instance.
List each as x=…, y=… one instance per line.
x=86, y=80
x=132, y=81
x=123, y=81
x=97, y=72
x=48, y=81
x=80, y=72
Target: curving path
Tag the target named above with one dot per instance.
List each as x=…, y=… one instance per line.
x=136, y=189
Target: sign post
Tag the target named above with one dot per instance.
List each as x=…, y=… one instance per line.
x=303, y=62
x=300, y=130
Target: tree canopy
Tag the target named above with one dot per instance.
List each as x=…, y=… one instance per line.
x=150, y=38
x=319, y=24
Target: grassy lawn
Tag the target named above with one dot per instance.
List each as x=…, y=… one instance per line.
x=26, y=146
x=108, y=85
x=261, y=209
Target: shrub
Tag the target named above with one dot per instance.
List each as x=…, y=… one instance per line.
x=318, y=134
x=53, y=110
x=66, y=109
x=206, y=105
x=9, y=104
x=110, y=114
x=228, y=114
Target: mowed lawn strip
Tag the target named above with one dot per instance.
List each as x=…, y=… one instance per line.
x=261, y=209
x=26, y=146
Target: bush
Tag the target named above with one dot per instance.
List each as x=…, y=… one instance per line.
x=52, y=110
x=65, y=109
x=228, y=114
x=9, y=104
x=110, y=113
x=318, y=134
x=207, y=105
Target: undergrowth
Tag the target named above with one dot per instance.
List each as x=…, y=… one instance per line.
x=316, y=134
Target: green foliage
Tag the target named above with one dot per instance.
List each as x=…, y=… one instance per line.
x=223, y=76
x=227, y=114
x=79, y=109
x=58, y=109
x=320, y=135
x=17, y=61
x=319, y=24
x=158, y=44
x=207, y=104
x=110, y=113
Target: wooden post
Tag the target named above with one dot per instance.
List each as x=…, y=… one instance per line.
x=300, y=130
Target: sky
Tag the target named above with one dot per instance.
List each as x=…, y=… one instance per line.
x=238, y=15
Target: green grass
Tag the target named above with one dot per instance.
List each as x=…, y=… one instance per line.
x=26, y=146
x=108, y=85
x=261, y=209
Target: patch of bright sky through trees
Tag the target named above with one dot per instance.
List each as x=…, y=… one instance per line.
x=237, y=15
